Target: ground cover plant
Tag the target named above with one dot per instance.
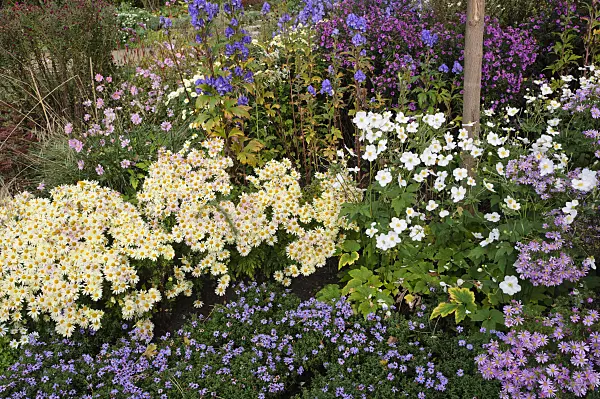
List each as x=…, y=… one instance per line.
x=282, y=199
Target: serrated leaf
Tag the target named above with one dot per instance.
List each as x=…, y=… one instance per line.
x=464, y=296
x=460, y=314
x=351, y=245
x=443, y=309
x=348, y=259
x=362, y=274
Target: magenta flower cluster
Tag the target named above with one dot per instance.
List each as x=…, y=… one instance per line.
x=559, y=355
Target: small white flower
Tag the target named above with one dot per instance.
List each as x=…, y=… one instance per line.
x=546, y=89
x=500, y=168
x=511, y=203
x=546, y=167
x=489, y=186
x=410, y=160
x=383, y=177
x=431, y=205
x=503, y=152
x=492, y=217
x=512, y=111
x=370, y=153
x=398, y=225
x=371, y=231
x=586, y=180
x=444, y=213
x=458, y=193
x=510, y=285
x=460, y=174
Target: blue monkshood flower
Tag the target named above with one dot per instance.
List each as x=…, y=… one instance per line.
x=335, y=32
x=229, y=31
x=284, y=19
x=249, y=77
x=314, y=11
x=359, y=40
x=356, y=23
x=266, y=8
x=233, y=22
x=428, y=38
x=202, y=12
x=444, y=68
x=363, y=53
x=242, y=100
x=165, y=22
x=360, y=76
x=330, y=69
x=311, y=90
x=326, y=87
x=457, y=68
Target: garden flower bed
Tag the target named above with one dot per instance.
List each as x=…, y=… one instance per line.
x=284, y=201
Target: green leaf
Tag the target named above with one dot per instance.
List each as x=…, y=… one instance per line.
x=460, y=314
x=463, y=296
x=348, y=259
x=351, y=245
x=362, y=274
x=477, y=252
x=443, y=309
x=481, y=315
x=329, y=292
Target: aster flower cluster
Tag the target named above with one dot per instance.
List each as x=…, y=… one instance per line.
x=398, y=38
x=59, y=256
x=547, y=262
x=264, y=344
x=193, y=185
x=107, y=140
x=548, y=358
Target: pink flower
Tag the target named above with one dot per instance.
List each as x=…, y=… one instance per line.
x=125, y=163
x=41, y=186
x=80, y=164
x=69, y=128
x=99, y=103
x=76, y=145
x=166, y=126
x=136, y=119
x=99, y=77
x=99, y=170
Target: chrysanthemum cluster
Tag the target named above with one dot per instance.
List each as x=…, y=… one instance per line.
x=559, y=356
x=193, y=186
x=58, y=253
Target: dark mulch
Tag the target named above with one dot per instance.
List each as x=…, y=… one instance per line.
x=305, y=287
